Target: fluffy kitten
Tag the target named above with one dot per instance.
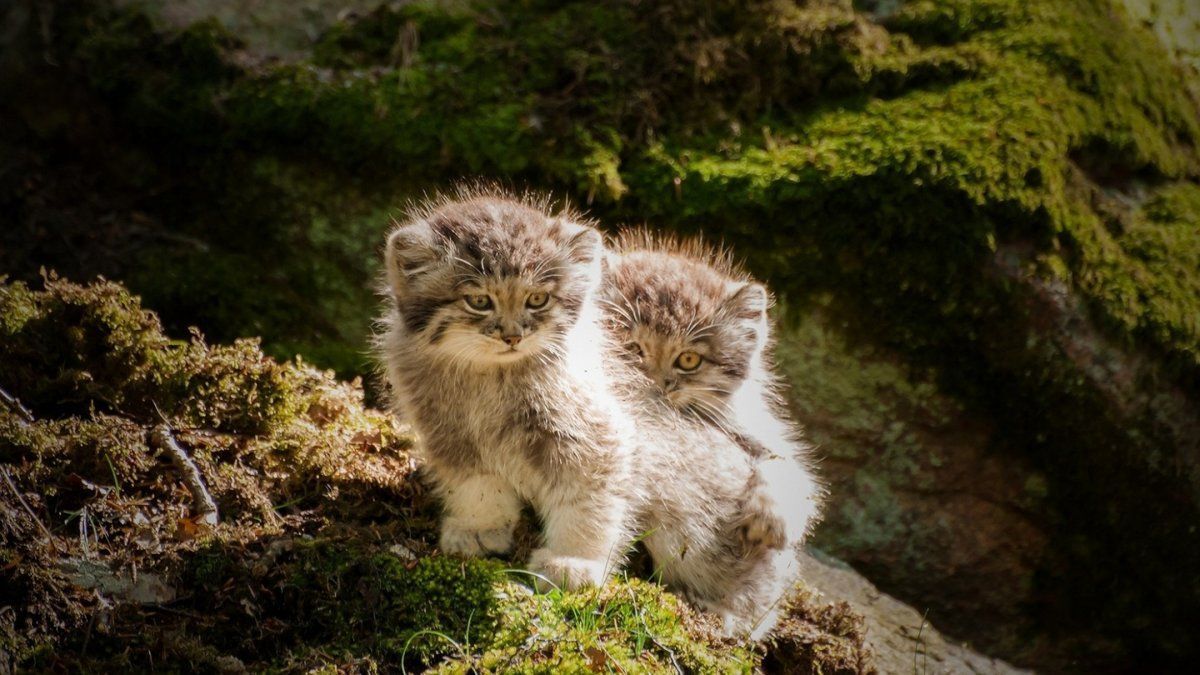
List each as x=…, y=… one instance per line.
x=495, y=352
x=489, y=353
x=696, y=324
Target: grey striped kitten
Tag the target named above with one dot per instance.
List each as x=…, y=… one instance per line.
x=495, y=351
x=696, y=324
x=492, y=352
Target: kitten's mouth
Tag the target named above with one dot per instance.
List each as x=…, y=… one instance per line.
x=522, y=345
x=504, y=351
x=510, y=351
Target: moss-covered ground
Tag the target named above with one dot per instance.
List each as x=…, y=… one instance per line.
x=963, y=187
x=322, y=559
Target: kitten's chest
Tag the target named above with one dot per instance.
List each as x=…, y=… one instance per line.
x=476, y=410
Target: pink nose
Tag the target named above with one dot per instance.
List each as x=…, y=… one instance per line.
x=512, y=340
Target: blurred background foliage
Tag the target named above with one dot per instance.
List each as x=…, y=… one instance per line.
x=982, y=218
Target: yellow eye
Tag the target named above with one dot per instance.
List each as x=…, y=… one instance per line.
x=478, y=301
x=688, y=361
x=537, y=300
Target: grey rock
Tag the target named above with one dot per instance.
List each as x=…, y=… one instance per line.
x=901, y=637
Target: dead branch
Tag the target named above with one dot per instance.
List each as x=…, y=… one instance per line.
x=202, y=501
x=15, y=405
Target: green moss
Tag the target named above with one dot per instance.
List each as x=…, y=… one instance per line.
x=110, y=451
x=390, y=35
x=1144, y=274
x=629, y=625
x=981, y=104
x=464, y=616
x=951, y=22
x=98, y=371
x=114, y=356
x=474, y=615
x=210, y=566
x=374, y=602
x=116, y=45
x=984, y=106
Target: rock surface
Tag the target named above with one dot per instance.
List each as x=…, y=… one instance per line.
x=901, y=638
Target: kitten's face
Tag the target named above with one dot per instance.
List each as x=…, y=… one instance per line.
x=491, y=281
x=692, y=331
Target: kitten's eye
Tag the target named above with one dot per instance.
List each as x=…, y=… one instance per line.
x=688, y=361
x=537, y=300
x=478, y=301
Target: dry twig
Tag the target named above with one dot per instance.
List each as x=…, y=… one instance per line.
x=20, y=498
x=15, y=405
x=205, y=507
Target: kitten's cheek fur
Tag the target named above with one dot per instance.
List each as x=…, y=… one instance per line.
x=565, y=572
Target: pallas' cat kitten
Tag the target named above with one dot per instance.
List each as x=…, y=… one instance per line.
x=696, y=324
x=491, y=351
x=495, y=351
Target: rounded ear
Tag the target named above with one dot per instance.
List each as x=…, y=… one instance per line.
x=585, y=245
x=411, y=249
x=748, y=300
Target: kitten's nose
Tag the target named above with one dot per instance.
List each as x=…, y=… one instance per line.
x=512, y=340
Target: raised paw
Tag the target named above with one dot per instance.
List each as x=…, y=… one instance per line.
x=474, y=543
x=565, y=572
x=760, y=526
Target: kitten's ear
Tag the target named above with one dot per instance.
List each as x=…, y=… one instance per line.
x=584, y=244
x=411, y=249
x=748, y=301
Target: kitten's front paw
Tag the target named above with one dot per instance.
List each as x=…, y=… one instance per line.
x=474, y=543
x=565, y=572
x=761, y=527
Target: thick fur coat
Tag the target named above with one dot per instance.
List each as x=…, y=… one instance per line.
x=495, y=349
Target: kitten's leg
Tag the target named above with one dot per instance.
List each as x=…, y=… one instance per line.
x=585, y=540
x=760, y=526
x=481, y=513
x=757, y=591
x=782, y=504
